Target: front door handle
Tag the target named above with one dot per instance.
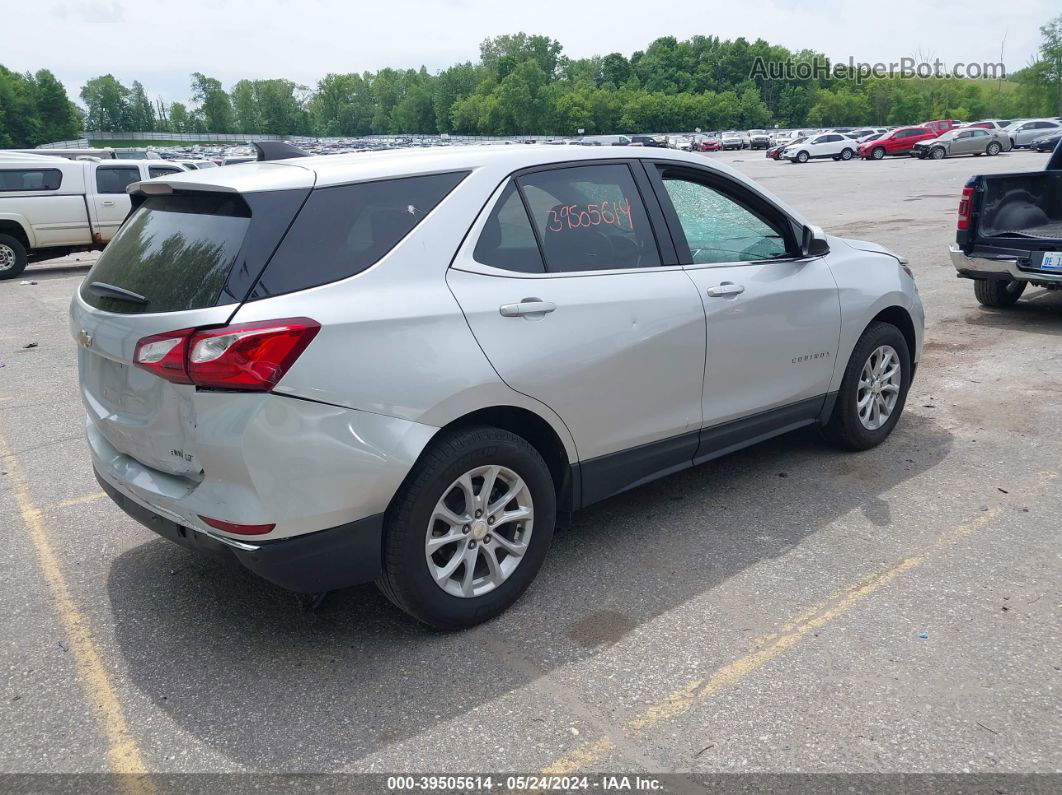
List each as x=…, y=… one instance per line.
x=531, y=308
x=725, y=289
x=108, y=204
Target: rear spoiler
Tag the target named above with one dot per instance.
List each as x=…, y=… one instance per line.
x=277, y=150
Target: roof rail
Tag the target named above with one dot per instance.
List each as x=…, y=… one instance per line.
x=277, y=150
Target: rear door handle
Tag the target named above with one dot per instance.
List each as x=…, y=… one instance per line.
x=725, y=289
x=527, y=307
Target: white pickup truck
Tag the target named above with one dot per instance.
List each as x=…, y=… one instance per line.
x=51, y=206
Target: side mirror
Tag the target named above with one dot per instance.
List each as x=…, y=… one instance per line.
x=814, y=243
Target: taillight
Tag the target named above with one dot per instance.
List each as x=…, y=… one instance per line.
x=246, y=356
x=964, y=209
x=239, y=529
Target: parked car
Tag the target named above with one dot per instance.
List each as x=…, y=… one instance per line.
x=1048, y=143
x=940, y=126
x=897, y=142
x=51, y=206
x=863, y=132
x=732, y=140
x=759, y=139
x=645, y=140
x=1023, y=133
x=975, y=141
x=709, y=144
x=992, y=124
x=775, y=152
x=1009, y=233
x=604, y=140
x=832, y=145
x=253, y=361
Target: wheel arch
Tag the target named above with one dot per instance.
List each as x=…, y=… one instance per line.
x=14, y=228
x=539, y=432
x=898, y=316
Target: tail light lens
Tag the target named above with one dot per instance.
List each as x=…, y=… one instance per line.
x=247, y=356
x=964, y=209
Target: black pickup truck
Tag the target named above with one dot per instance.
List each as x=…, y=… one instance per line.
x=1009, y=232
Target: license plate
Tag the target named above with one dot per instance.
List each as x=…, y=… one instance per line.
x=1052, y=261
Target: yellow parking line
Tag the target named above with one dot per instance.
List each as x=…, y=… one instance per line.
x=80, y=500
x=768, y=647
x=123, y=756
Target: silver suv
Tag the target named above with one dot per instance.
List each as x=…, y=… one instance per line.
x=405, y=366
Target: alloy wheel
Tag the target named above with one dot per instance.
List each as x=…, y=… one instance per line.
x=7, y=257
x=479, y=531
x=879, y=387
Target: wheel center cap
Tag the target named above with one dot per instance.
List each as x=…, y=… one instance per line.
x=479, y=529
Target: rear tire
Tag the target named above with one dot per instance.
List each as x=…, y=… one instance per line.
x=993, y=148
x=412, y=524
x=846, y=154
x=997, y=292
x=846, y=427
x=12, y=257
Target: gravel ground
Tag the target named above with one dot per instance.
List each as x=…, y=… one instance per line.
x=789, y=608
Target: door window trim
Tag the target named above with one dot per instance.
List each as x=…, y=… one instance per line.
x=464, y=260
x=730, y=189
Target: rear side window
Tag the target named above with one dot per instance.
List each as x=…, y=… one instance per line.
x=174, y=251
x=590, y=218
x=158, y=171
x=115, y=180
x=31, y=179
x=507, y=240
x=343, y=230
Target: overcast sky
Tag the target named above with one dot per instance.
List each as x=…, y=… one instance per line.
x=160, y=42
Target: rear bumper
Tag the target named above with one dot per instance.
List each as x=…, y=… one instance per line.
x=309, y=563
x=1003, y=268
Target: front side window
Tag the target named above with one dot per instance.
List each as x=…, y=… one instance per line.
x=20, y=179
x=718, y=228
x=115, y=180
x=507, y=240
x=590, y=218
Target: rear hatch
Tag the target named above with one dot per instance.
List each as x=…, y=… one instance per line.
x=1014, y=215
x=183, y=259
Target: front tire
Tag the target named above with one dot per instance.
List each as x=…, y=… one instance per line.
x=938, y=153
x=802, y=157
x=997, y=292
x=877, y=153
x=469, y=529
x=12, y=257
x=873, y=391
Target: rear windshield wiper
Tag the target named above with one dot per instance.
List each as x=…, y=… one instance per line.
x=118, y=293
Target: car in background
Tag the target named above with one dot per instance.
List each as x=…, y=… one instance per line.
x=818, y=147
x=993, y=124
x=974, y=141
x=192, y=165
x=645, y=140
x=252, y=360
x=775, y=152
x=759, y=139
x=709, y=144
x=941, y=125
x=871, y=137
x=860, y=134
x=1023, y=133
x=604, y=140
x=897, y=142
x=732, y=140
x=1048, y=143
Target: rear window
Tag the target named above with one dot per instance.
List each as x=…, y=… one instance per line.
x=343, y=230
x=31, y=179
x=115, y=179
x=175, y=251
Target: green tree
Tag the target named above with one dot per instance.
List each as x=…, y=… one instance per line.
x=214, y=104
x=107, y=104
x=59, y=117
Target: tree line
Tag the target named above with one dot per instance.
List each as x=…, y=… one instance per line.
x=525, y=85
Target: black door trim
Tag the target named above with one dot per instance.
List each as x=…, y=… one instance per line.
x=611, y=474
